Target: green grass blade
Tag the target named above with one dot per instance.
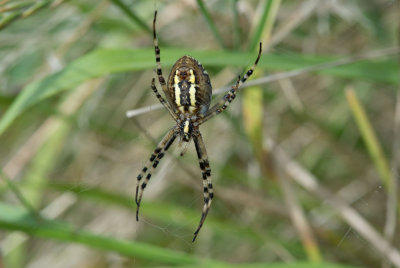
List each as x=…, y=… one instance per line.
x=135, y=18
x=252, y=106
x=10, y=184
x=237, y=34
x=210, y=23
x=368, y=134
x=106, y=61
x=266, y=22
x=15, y=218
x=14, y=5
x=35, y=7
x=165, y=213
x=281, y=265
x=37, y=173
x=6, y=19
x=259, y=29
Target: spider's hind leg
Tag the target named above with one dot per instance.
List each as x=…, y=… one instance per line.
x=206, y=175
x=144, y=177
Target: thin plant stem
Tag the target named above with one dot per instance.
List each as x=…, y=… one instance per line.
x=19, y=195
x=132, y=15
x=210, y=23
x=368, y=134
x=237, y=34
x=261, y=24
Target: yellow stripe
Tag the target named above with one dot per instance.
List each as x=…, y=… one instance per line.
x=192, y=91
x=177, y=95
x=192, y=77
x=177, y=90
x=192, y=94
x=176, y=78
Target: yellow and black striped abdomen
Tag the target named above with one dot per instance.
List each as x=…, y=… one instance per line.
x=189, y=86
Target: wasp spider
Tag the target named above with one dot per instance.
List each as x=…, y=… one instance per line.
x=187, y=99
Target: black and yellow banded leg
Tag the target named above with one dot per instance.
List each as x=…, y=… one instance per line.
x=144, y=177
x=222, y=104
x=161, y=78
x=162, y=100
x=206, y=175
x=230, y=96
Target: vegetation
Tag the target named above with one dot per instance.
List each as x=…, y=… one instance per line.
x=305, y=162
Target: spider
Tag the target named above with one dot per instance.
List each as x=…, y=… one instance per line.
x=187, y=99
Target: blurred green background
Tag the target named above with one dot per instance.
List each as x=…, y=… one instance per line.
x=305, y=161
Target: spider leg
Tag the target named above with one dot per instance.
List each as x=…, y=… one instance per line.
x=147, y=170
x=161, y=78
x=206, y=174
x=230, y=96
x=161, y=99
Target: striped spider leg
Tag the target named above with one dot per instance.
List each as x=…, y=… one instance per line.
x=188, y=94
x=206, y=175
x=144, y=177
x=201, y=148
x=231, y=95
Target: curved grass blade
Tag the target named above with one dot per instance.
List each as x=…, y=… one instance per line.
x=106, y=61
x=16, y=218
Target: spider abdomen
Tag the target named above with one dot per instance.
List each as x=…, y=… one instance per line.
x=189, y=86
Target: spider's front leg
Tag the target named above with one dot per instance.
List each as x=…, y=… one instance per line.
x=206, y=174
x=161, y=78
x=230, y=96
x=161, y=99
x=148, y=169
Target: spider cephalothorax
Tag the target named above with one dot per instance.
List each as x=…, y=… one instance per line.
x=188, y=97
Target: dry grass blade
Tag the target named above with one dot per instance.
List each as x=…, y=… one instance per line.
x=299, y=220
x=391, y=203
x=75, y=159
x=143, y=110
x=299, y=15
x=348, y=214
x=19, y=160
